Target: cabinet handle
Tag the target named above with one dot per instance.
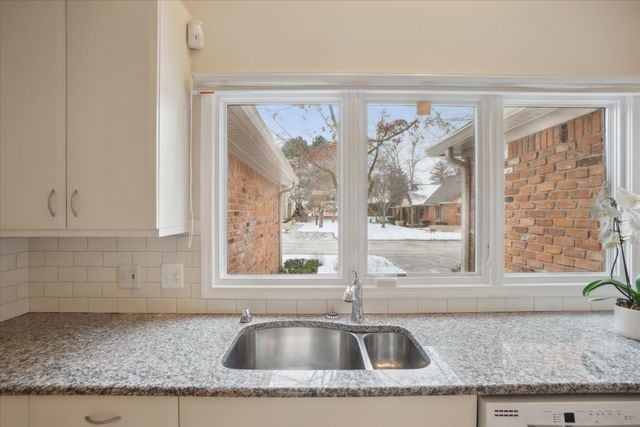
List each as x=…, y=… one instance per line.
x=74, y=195
x=93, y=421
x=51, y=203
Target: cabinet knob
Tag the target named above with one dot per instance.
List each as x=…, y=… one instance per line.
x=93, y=421
x=51, y=203
x=74, y=196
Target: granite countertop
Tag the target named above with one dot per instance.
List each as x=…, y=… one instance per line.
x=145, y=354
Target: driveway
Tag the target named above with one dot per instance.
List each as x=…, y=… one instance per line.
x=413, y=256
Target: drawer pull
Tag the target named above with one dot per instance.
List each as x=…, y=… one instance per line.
x=93, y=421
x=73, y=203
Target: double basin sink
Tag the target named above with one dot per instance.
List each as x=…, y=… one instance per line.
x=323, y=348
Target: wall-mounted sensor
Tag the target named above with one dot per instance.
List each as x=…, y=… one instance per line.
x=195, y=34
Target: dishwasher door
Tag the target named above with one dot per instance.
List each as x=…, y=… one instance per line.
x=559, y=410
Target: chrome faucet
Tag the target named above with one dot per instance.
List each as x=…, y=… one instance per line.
x=353, y=294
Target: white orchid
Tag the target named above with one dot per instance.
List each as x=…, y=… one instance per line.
x=628, y=201
x=604, y=207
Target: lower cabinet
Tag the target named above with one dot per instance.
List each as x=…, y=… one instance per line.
x=14, y=411
x=138, y=411
x=119, y=411
x=419, y=411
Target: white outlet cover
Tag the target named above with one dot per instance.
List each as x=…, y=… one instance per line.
x=129, y=276
x=172, y=276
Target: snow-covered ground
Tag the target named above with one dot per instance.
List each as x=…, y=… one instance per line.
x=389, y=232
x=376, y=264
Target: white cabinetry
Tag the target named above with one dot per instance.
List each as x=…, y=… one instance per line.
x=125, y=411
x=32, y=115
x=14, y=411
x=121, y=168
x=419, y=411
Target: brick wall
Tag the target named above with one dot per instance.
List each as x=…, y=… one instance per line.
x=253, y=229
x=551, y=179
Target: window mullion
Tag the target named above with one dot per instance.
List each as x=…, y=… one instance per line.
x=493, y=232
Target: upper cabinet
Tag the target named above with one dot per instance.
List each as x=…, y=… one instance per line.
x=125, y=155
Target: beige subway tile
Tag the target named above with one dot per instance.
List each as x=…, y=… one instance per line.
x=161, y=305
x=575, y=304
x=603, y=305
x=196, y=290
x=432, y=305
x=493, y=305
x=177, y=258
x=42, y=274
x=8, y=294
x=113, y=259
x=36, y=259
x=462, y=305
x=375, y=306
x=39, y=304
x=282, y=306
x=14, y=309
x=338, y=306
x=72, y=243
x=101, y=274
x=58, y=259
x=87, y=259
x=191, y=306
x=43, y=244
x=257, y=306
x=312, y=306
x=131, y=244
x=148, y=290
x=58, y=289
x=74, y=305
x=147, y=259
x=161, y=243
x=72, y=274
x=132, y=305
x=192, y=275
x=222, y=306
x=9, y=245
x=8, y=262
x=101, y=243
x=154, y=274
x=520, y=304
x=547, y=304
x=183, y=244
x=17, y=276
x=22, y=291
x=184, y=292
x=103, y=305
x=111, y=290
x=87, y=289
x=22, y=260
x=402, y=306
x=36, y=289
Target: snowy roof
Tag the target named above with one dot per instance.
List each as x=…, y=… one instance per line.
x=423, y=192
x=450, y=190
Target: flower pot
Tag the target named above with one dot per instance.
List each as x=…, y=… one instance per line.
x=626, y=322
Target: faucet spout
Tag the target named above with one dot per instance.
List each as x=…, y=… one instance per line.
x=353, y=295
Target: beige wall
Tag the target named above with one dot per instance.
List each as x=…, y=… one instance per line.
x=570, y=38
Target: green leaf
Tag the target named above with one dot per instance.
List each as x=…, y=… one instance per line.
x=622, y=287
x=638, y=283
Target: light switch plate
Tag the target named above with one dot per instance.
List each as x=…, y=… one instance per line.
x=129, y=276
x=172, y=276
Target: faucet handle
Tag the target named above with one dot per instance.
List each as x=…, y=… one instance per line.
x=246, y=316
x=348, y=294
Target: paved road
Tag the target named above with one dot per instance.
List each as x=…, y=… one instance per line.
x=414, y=256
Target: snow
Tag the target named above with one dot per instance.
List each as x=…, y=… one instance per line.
x=375, y=264
x=389, y=232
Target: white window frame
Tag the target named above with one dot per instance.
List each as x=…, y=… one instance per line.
x=622, y=126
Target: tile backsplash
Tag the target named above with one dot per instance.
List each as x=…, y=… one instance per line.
x=14, y=277
x=79, y=274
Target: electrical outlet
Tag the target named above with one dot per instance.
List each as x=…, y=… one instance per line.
x=129, y=276
x=172, y=276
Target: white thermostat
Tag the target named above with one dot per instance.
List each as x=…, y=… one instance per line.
x=195, y=34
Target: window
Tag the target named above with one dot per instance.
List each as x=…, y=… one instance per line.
x=414, y=190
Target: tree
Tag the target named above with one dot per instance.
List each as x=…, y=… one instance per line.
x=441, y=170
x=389, y=185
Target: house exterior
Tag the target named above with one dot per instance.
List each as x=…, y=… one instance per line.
x=258, y=177
x=554, y=168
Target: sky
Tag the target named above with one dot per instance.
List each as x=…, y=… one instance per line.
x=288, y=121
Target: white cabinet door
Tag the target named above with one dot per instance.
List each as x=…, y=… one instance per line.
x=419, y=411
x=14, y=411
x=112, y=114
x=83, y=411
x=32, y=115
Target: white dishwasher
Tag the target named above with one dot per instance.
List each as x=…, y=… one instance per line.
x=564, y=410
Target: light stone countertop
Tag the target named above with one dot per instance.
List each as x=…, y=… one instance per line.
x=180, y=355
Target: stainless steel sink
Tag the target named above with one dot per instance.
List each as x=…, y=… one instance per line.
x=393, y=350
x=322, y=348
x=295, y=348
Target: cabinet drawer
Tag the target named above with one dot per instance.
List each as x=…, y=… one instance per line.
x=70, y=411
